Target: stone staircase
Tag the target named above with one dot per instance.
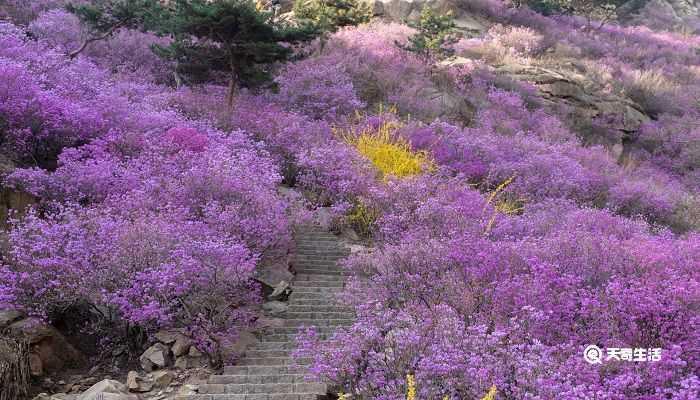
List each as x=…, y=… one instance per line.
x=268, y=372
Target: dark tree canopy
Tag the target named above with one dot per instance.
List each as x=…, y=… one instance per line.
x=212, y=39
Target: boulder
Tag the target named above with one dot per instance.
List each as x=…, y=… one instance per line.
x=167, y=337
x=155, y=357
x=107, y=390
x=187, y=362
x=162, y=379
x=281, y=291
x=275, y=307
x=272, y=273
x=50, y=351
x=135, y=383
x=7, y=317
x=181, y=346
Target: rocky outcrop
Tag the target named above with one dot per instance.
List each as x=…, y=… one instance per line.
x=409, y=10
x=107, y=390
x=563, y=84
x=49, y=349
x=662, y=14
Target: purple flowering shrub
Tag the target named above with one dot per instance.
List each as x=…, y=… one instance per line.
x=319, y=88
x=381, y=72
x=127, y=51
x=463, y=311
x=169, y=233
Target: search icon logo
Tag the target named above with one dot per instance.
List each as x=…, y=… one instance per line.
x=593, y=354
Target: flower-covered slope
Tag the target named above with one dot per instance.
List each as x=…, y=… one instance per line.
x=514, y=242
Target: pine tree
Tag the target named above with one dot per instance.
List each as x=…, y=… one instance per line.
x=327, y=16
x=435, y=36
x=227, y=37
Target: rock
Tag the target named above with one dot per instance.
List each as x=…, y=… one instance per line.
x=194, y=352
x=187, y=362
x=275, y=307
x=8, y=317
x=282, y=290
x=50, y=351
x=136, y=383
x=13, y=200
x=324, y=218
x=36, y=366
x=155, y=357
x=188, y=390
x=162, y=379
x=246, y=339
x=272, y=273
x=57, y=396
x=167, y=337
x=349, y=234
x=181, y=346
x=107, y=390
x=565, y=84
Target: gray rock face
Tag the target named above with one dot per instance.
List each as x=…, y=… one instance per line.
x=409, y=10
x=49, y=349
x=107, y=390
x=155, y=357
x=8, y=317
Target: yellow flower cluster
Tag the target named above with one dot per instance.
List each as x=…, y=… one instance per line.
x=390, y=154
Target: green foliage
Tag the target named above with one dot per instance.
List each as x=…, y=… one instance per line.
x=226, y=37
x=363, y=218
x=602, y=10
x=329, y=15
x=435, y=36
x=102, y=18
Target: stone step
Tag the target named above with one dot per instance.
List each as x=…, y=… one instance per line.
x=298, y=308
x=305, y=283
x=313, y=294
x=324, y=254
x=318, y=315
x=265, y=370
x=257, y=379
x=320, y=244
x=335, y=271
x=291, y=337
x=258, y=396
x=306, y=299
x=318, y=278
x=316, y=289
x=310, y=263
x=320, y=323
x=268, y=388
x=292, y=330
x=274, y=361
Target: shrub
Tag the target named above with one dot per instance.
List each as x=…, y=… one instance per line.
x=381, y=72
x=329, y=15
x=520, y=43
x=319, y=88
x=164, y=218
x=391, y=154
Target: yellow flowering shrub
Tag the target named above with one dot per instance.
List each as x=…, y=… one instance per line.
x=411, y=391
x=491, y=395
x=390, y=154
x=362, y=217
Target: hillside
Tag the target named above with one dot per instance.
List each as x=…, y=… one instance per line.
x=409, y=204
